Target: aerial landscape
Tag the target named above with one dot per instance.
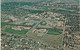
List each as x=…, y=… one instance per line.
x=40, y=25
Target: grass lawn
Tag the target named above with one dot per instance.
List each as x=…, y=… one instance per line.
x=15, y=31
x=4, y=23
x=42, y=23
x=54, y=31
x=34, y=18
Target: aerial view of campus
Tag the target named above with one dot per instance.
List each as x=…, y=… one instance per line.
x=40, y=25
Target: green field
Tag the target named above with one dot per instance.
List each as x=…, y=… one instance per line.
x=4, y=23
x=54, y=31
x=34, y=18
x=15, y=31
x=42, y=23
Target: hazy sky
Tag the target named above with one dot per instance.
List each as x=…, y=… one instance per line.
x=66, y=1
x=33, y=0
x=20, y=0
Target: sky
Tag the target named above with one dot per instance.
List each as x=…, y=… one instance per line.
x=66, y=1
x=20, y=0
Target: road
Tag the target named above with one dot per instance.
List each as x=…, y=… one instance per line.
x=63, y=35
x=13, y=43
x=35, y=26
